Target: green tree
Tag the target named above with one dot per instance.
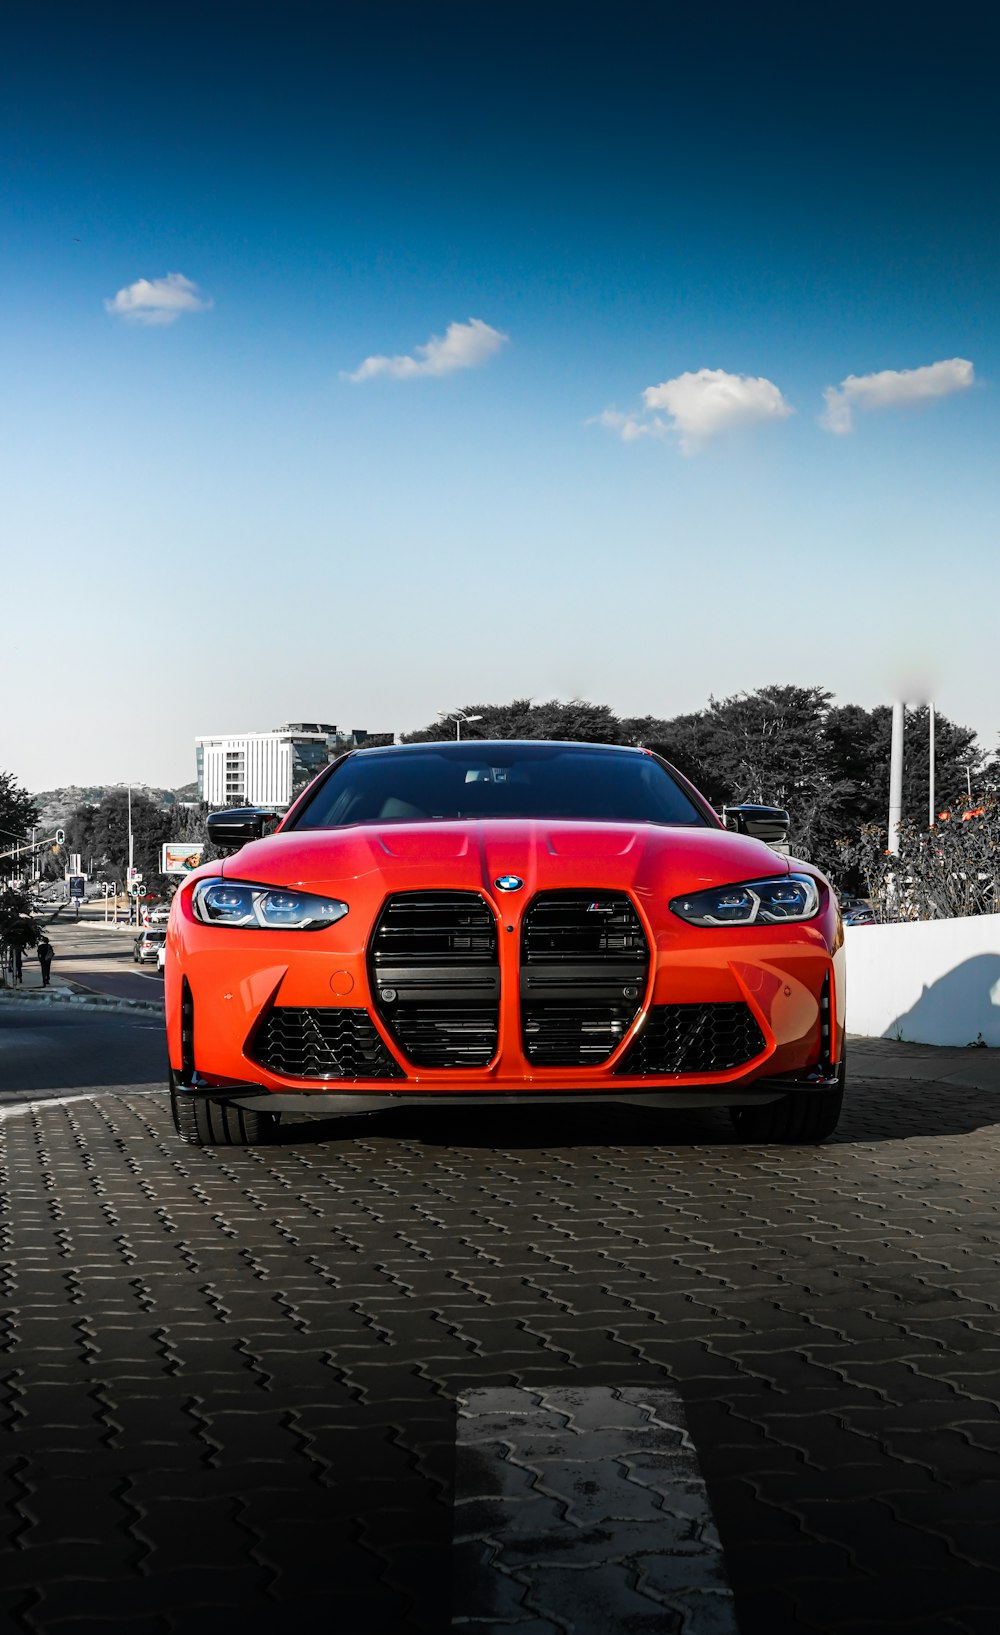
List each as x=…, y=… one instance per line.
x=18, y=929
x=688, y=743
x=768, y=746
x=782, y=745
x=101, y=832
x=17, y=814
x=522, y=718
x=860, y=740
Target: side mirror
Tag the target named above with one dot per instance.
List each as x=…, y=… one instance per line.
x=234, y=828
x=767, y=823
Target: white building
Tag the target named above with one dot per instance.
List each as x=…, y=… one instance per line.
x=269, y=768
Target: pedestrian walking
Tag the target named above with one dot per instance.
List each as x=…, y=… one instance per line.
x=18, y=971
x=46, y=953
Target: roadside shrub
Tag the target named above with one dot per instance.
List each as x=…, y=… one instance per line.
x=942, y=873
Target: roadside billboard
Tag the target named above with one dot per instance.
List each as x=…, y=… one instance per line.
x=180, y=857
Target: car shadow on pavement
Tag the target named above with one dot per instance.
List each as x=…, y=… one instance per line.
x=875, y=1111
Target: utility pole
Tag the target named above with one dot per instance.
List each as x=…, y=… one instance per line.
x=131, y=848
x=896, y=775
x=930, y=752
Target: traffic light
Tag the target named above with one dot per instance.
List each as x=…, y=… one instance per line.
x=60, y=836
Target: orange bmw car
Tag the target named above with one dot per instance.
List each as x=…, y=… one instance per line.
x=497, y=921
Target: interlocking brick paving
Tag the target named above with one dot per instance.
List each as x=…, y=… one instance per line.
x=584, y=1508
x=230, y=1377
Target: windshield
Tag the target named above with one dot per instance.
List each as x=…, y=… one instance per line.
x=497, y=780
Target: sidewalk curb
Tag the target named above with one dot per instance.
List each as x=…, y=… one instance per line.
x=82, y=1001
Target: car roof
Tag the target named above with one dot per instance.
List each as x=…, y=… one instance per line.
x=461, y=746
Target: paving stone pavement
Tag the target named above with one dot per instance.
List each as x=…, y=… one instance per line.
x=576, y=1508
x=231, y=1378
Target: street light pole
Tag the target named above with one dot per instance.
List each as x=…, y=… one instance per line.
x=930, y=728
x=131, y=855
x=896, y=776
x=458, y=716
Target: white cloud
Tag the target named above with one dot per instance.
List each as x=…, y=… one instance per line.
x=462, y=346
x=699, y=405
x=157, y=300
x=891, y=387
x=705, y=402
x=628, y=426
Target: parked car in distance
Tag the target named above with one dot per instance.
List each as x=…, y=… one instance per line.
x=856, y=911
x=147, y=945
x=160, y=914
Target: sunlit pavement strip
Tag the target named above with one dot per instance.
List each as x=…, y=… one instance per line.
x=44, y=1098
x=583, y=1512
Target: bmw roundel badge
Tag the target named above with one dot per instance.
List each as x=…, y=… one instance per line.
x=508, y=882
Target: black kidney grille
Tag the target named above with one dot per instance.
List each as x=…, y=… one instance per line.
x=583, y=925
x=435, y=977
x=693, y=1039
x=581, y=1035
x=424, y=927
x=584, y=968
x=431, y=1036
x=323, y=1042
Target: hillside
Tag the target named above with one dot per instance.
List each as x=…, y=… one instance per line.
x=55, y=805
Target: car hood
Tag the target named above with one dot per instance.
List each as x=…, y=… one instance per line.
x=544, y=854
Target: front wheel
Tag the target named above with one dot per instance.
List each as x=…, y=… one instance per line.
x=803, y=1117
x=205, y=1123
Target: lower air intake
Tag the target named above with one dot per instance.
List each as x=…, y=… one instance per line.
x=694, y=1039
x=323, y=1042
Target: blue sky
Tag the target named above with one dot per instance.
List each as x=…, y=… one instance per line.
x=209, y=526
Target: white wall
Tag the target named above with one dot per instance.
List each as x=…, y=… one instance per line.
x=935, y=982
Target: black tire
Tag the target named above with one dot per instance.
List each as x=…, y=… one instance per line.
x=803, y=1118
x=205, y=1123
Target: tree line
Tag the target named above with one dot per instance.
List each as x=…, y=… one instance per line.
x=100, y=834
x=828, y=764
x=786, y=746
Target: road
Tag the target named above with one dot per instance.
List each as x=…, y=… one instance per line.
x=94, y=957
x=52, y=1049
x=415, y=1366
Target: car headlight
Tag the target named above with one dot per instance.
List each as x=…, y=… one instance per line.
x=262, y=908
x=786, y=898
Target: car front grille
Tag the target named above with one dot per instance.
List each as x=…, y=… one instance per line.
x=322, y=1042
x=435, y=977
x=693, y=1039
x=584, y=968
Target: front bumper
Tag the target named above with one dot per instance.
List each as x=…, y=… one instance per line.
x=231, y=992
x=330, y=1103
